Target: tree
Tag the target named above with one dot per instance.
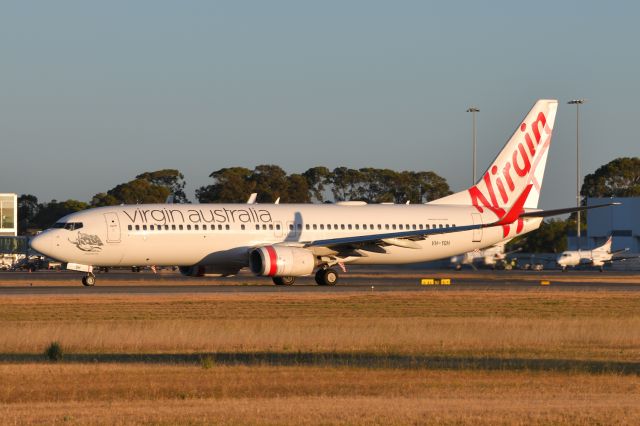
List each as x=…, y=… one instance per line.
x=618, y=178
x=137, y=191
x=270, y=182
x=551, y=237
x=103, y=199
x=344, y=183
x=317, y=178
x=297, y=190
x=231, y=185
x=171, y=179
x=28, y=208
x=49, y=213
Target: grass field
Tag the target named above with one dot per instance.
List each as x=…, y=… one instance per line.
x=493, y=357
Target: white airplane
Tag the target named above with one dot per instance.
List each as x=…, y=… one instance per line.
x=491, y=257
x=285, y=241
x=596, y=257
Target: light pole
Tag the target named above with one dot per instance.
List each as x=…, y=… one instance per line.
x=577, y=103
x=473, y=111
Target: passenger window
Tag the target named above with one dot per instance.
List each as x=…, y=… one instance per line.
x=386, y=226
x=151, y=228
x=226, y=227
x=328, y=226
x=278, y=226
x=322, y=226
x=130, y=227
x=290, y=227
x=180, y=227
x=400, y=226
x=188, y=227
x=242, y=227
x=144, y=227
x=270, y=227
x=413, y=226
x=173, y=227
x=137, y=227
x=440, y=226
x=420, y=225
x=357, y=226
x=264, y=227
x=257, y=227
x=342, y=226
x=315, y=226
x=195, y=227
x=306, y=226
x=204, y=227
x=379, y=226
x=349, y=226
x=393, y=226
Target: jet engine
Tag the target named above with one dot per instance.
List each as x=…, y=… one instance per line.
x=282, y=261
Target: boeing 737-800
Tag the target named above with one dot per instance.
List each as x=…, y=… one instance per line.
x=285, y=241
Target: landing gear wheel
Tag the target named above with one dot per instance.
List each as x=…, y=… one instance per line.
x=284, y=280
x=88, y=280
x=326, y=277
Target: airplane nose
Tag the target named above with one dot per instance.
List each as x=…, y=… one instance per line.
x=41, y=243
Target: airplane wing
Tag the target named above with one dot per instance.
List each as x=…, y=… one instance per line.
x=402, y=239
x=407, y=239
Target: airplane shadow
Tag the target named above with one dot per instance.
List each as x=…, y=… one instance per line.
x=340, y=359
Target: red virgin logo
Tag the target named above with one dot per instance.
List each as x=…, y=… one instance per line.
x=502, y=183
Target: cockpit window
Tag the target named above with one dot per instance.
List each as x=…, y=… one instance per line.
x=69, y=226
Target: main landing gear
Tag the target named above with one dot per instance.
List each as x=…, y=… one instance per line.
x=89, y=280
x=326, y=276
x=284, y=280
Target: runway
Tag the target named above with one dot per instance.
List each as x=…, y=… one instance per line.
x=356, y=280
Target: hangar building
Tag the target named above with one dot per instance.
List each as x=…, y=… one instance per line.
x=623, y=222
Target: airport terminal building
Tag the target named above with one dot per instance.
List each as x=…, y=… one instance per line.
x=8, y=215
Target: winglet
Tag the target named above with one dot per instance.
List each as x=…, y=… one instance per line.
x=516, y=210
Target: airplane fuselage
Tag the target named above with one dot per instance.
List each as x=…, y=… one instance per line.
x=222, y=235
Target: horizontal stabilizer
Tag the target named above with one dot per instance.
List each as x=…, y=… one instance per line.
x=556, y=212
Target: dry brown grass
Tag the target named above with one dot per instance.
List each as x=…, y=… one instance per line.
x=603, y=339
x=119, y=394
x=535, y=324
x=483, y=357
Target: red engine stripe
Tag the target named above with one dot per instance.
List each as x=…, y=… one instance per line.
x=273, y=260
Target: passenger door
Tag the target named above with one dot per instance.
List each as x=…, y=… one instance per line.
x=113, y=227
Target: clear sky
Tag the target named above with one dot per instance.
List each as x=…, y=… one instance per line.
x=94, y=92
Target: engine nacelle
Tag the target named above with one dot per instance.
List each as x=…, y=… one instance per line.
x=282, y=261
x=206, y=270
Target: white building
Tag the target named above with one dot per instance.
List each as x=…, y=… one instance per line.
x=8, y=215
